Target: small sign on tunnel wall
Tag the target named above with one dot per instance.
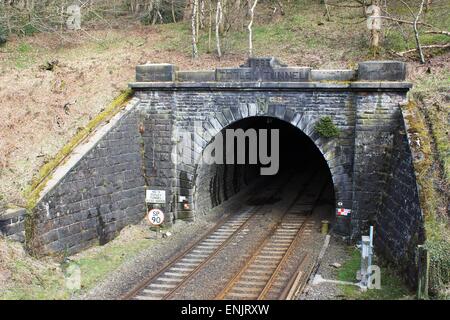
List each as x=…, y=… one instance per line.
x=343, y=212
x=155, y=196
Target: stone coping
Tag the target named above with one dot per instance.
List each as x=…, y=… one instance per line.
x=270, y=70
x=12, y=213
x=281, y=86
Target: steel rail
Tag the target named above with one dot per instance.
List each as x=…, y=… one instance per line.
x=233, y=281
x=142, y=285
x=218, y=249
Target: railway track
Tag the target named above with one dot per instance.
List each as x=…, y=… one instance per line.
x=263, y=274
x=183, y=267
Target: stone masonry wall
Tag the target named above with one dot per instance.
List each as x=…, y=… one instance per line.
x=377, y=119
x=100, y=194
x=217, y=109
x=12, y=224
x=399, y=224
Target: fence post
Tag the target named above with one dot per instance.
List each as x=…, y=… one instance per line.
x=423, y=271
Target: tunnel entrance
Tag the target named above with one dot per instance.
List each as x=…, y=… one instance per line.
x=301, y=170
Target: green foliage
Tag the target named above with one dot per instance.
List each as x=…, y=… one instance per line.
x=24, y=48
x=3, y=35
x=30, y=279
x=428, y=122
x=392, y=287
x=95, y=267
x=29, y=30
x=146, y=19
x=439, y=265
x=43, y=279
x=326, y=128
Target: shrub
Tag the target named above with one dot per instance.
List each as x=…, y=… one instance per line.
x=439, y=265
x=326, y=128
x=3, y=35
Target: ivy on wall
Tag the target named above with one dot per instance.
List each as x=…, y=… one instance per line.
x=326, y=128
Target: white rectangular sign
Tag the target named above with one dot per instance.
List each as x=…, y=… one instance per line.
x=155, y=196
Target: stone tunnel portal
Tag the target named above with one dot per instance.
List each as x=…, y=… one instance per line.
x=299, y=168
x=101, y=187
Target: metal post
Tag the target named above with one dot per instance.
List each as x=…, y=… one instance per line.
x=423, y=271
x=365, y=247
x=370, y=246
x=427, y=273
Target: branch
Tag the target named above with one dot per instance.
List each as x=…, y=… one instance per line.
x=432, y=46
x=405, y=21
x=439, y=32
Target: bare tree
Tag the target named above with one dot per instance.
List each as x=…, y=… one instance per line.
x=250, y=32
x=194, y=25
x=416, y=32
x=218, y=23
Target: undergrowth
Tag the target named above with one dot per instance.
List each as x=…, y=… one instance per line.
x=428, y=129
x=392, y=287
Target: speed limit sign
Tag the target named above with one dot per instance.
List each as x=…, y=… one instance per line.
x=155, y=217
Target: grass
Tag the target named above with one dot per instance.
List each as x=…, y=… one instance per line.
x=25, y=55
x=392, y=287
x=98, y=265
x=428, y=118
x=30, y=278
x=34, y=279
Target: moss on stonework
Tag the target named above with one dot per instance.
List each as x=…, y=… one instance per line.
x=326, y=128
x=38, y=183
x=436, y=230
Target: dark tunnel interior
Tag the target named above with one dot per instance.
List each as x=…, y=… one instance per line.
x=301, y=164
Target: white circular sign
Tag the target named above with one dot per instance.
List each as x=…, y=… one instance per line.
x=155, y=217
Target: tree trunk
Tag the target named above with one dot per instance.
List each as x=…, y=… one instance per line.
x=416, y=33
x=250, y=33
x=173, y=12
x=210, y=26
x=187, y=10
x=194, y=29
x=202, y=14
x=218, y=23
x=327, y=10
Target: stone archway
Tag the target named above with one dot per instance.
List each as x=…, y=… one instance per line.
x=214, y=184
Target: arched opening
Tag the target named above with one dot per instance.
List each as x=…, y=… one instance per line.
x=302, y=170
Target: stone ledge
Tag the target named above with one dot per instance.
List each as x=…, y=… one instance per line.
x=12, y=214
x=260, y=86
x=270, y=69
x=12, y=224
x=333, y=75
x=196, y=76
